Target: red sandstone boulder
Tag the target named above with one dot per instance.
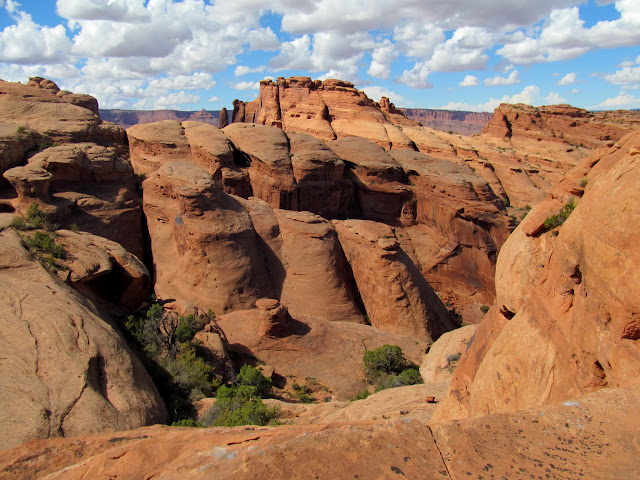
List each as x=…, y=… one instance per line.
x=65, y=370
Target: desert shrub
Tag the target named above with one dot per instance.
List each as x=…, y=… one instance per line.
x=303, y=393
x=558, y=219
x=22, y=129
x=484, y=308
x=385, y=359
x=453, y=357
x=172, y=359
x=34, y=218
x=361, y=395
x=241, y=404
x=187, y=422
x=188, y=326
x=386, y=367
x=45, y=243
x=251, y=376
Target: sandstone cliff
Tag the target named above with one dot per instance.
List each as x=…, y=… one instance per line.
x=464, y=123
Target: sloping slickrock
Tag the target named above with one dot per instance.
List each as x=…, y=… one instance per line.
x=65, y=371
x=590, y=438
x=104, y=269
x=330, y=352
x=86, y=184
x=570, y=326
x=154, y=144
x=381, y=185
x=203, y=242
x=395, y=295
x=317, y=281
x=270, y=169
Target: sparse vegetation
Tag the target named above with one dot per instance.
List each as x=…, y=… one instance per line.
x=484, y=308
x=172, y=358
x=386, y=367
x=22, y=129
x=584, y=181
x=241, y=404
x=558, y=219
x=34, y=219
x=361, y=395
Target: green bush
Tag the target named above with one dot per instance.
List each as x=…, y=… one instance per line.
x=188, y=326
x=187, y=422
x=240, y=405
x=556, y=220
x=46, y=244
x=410, y=376
x=251, y=376
x=361, y=395
x=484, y=308
x=385, y=359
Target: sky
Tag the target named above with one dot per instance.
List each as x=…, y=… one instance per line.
x=451, y=54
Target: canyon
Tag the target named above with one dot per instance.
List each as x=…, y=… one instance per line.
x=317, y=225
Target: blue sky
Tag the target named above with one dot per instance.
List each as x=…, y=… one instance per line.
x=193, y=54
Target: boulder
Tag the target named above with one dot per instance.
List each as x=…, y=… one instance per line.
x=46, y=325
x=443, y=356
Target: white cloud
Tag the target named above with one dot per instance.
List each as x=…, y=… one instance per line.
x=469, y=81
x=28, y=43
x=215, y=99
x=115, y=10
x=575, y=90
x=568, y=79
x=246, y=86
x=196, y=81
x=530, y=95
x=244, y=70
x=626, y=76
x=176, y=100
x=263, y=39
x=417, y=77
x=623, y=100
x=512, y=79
x=382, y=57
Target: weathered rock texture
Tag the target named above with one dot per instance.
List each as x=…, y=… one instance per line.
x=396, y=296
x=455, y=222
x=443, y=356
x=590, y=438
x=84, y=184
x=65, y=371
x=566, y=318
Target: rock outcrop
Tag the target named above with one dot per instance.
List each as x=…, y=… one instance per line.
x=65, y=370
x=566, y=318
x=129, y=118
x=85, y=184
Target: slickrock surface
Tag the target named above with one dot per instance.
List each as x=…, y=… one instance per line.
x=64, y=370
x=443, y=356
x=329, y=352
x=592, y=437
x=566, y=321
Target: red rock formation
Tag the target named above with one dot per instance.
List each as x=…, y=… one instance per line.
x=129, y=118
x=327, y=110
x=396, y=296
x=65, y=371
x=83, y=184
x=564, y=324
x=203, y=242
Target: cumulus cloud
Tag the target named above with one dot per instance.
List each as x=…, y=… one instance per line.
x=623, y=100
x=244, y=70
x=28, y=43
x=512, y=79
x=114, y=10
x=530, y=95
x=564, y=35
x=215, y=99
x=469, y=81
x=246, y=86
x=568, y=79
x=381, y=59
x=176, y=100
x=196, y=81
x=626, y=76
